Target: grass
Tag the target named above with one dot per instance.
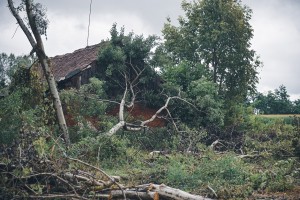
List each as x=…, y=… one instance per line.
x=230, y=176
x=286, y=118
x=279, y=115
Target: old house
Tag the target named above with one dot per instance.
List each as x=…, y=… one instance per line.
x=75, y=69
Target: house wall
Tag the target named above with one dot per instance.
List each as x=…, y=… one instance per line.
x=88, y=73
x=79, y=79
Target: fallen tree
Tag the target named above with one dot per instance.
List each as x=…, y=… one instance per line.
x=130, y=90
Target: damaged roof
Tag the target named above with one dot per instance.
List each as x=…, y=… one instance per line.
x=68, y=65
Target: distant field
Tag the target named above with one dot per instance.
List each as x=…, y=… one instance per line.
x=279, y=116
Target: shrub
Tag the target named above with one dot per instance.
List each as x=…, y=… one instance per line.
x=102, y=148
x=264, y=133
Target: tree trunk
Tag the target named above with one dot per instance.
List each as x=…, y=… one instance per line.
x=154, y=191
x=38, y=47
x=214, y=65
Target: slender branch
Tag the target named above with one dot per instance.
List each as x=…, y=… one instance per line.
x=159, y=111
x=122, y=104
x=121, y=123
x=49, y=174
x=83, y=178
x=213, y=191
x=93, y=167
x=131, y=104
x=15, y=32
x=173, y=122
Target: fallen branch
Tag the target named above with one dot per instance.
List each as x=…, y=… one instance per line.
x=148, y=191
x=214, y=144
x=249, y=156
x=213, y=191
x=113, y=181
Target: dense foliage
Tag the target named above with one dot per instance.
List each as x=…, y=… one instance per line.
x=126, y=59
x=216, y=34
x=8, y=66
x=276, y=102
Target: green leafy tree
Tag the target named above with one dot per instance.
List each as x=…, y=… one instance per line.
x=25, y=105
x=284, y=105
x=9, y=64
x=183, y=74
x=126, y=59
x=217, y=33
x=205, y=108
x=296, y=108
x=203, y=94
x=84, y=107
x=277, y=102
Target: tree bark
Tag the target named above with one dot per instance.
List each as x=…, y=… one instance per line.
x=38, y=47
x=121, y=123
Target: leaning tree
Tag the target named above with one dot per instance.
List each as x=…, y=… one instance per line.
x=37, y=23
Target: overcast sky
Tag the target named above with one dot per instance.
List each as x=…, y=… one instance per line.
x=275, y=22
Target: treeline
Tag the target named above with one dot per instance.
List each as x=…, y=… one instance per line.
x=276, y=102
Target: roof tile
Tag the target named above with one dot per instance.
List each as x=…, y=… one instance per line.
x=64, y=65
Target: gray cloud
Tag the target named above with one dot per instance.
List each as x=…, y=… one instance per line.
x=67, y=30
x=153, y=13
x=276, y=40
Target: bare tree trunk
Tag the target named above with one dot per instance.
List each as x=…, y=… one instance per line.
x=214, y=65
x=38, y=47
x=121, y=123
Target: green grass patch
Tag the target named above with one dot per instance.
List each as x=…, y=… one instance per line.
x=279, y=115
x=228, y=175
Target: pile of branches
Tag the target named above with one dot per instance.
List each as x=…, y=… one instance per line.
x=28, y=172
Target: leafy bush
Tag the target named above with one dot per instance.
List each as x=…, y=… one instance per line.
x=26, y=105
x=151, y=139
x=85, y=112
x=270, y=136
x=277, y=176
x=86, y=101
x=103, y=149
